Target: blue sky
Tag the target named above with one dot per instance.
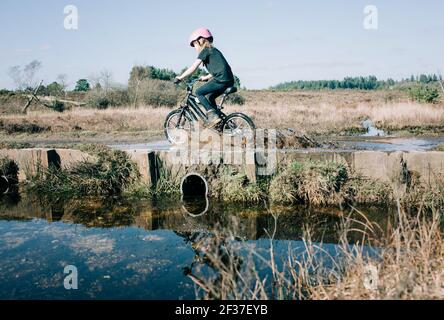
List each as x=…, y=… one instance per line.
x=265, y=41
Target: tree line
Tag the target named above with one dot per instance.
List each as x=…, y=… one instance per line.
x=363, y=83
x=24, y=78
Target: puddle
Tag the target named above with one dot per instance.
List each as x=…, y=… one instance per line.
x=372, y=131
x=160, y=145
x=137, y=250
x=389, y=144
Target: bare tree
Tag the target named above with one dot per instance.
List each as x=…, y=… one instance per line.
x=137, y=75
x=94, y=80
x=15, y=72
x=106, y=77
x=32, y=97
x=62, y=79
x=103, y=80
x=24, y=78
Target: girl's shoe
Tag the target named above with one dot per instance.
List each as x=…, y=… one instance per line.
x=212, y=119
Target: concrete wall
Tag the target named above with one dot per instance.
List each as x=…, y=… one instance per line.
x=28, y=160
x=383, y=166
x=379, y=165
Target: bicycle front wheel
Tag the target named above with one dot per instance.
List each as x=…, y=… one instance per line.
x=178, y=126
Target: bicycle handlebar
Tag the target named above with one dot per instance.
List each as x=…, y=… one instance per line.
x=189, y=84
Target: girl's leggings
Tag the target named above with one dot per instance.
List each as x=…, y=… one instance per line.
x=213, y=89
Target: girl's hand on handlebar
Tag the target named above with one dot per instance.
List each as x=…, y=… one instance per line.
x=203, y=78
x=177, y=80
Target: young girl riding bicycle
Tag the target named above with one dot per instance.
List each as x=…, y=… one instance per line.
x=220, y=76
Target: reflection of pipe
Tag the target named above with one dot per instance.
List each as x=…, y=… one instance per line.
x=4, y=184
x=194, y=185
x=194, y=208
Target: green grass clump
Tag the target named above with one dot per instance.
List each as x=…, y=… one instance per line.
x=364, y=190
x=108, y=176
x=233, y=186
x=422, y=197
x=310, y=182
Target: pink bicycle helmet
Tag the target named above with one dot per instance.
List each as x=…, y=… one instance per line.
x=200, y=33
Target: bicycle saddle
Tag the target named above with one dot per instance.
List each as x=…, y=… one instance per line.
x=230, y=90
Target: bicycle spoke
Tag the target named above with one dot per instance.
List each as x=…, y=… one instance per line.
x=238, y=126
x=177, y=125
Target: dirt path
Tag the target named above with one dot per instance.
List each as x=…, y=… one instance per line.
x=343, y=143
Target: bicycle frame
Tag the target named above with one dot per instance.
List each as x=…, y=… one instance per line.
x=192, y=104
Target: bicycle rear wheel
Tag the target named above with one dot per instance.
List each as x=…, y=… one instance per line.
x=239, y=125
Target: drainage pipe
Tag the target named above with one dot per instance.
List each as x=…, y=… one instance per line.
x=194, y=189
x=194, y=185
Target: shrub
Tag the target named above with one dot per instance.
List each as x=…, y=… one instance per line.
x=102, y=103
x=58, y=106
x=424, y=94
x=159, y=93
x=102, y=99
x=310, y=182
x=149, y=72
x=233, y=186
x=82, y=86
x=236, y=99
x=4, y=92
x=24, y=126
x=54, y=89
x=108, y=176
x=365, y=190
x=118, y=97
x=424, y=197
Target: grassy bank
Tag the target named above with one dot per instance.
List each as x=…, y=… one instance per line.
x=107, y=176
x=311, y=183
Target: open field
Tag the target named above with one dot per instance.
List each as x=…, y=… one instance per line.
x=338, y=112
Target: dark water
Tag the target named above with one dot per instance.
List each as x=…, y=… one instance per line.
x=137, y=250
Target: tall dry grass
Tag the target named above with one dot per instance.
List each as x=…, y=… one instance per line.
x=409, y=266
x=331, y=118
x=404, y=262
x=109, y=120
x=320, y=112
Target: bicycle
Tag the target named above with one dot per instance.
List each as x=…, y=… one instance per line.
x=187, y=116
